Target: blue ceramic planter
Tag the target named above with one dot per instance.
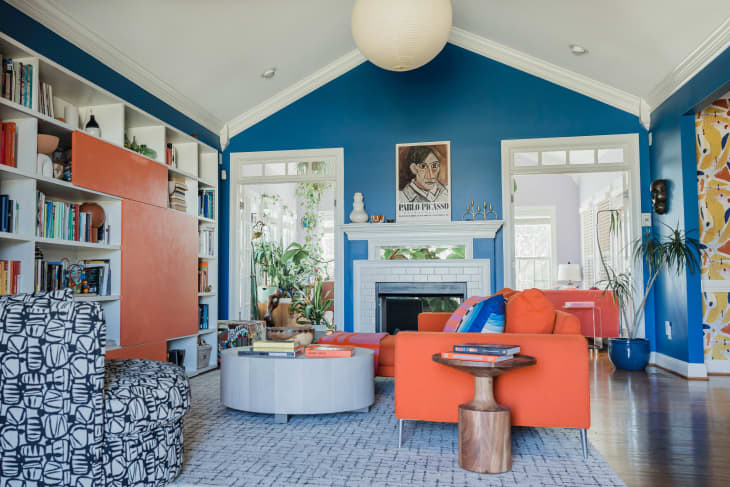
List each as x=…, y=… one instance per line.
x=628, y=354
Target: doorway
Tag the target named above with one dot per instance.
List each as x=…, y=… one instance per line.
x=558, y=196
x=280, y=198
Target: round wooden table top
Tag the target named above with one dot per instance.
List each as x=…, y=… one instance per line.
x=486, y=369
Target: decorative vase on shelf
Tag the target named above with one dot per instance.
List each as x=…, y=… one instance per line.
x=92, y=127
x=358, y=213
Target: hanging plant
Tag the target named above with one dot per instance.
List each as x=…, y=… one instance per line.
x=310, y=197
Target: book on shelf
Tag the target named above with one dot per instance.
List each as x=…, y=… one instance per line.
x=177, y=188
x=475, y=357
x=203, y=316
x=267, y=353
x=9, y=144
x=206, y=203
x=87, y=278
x=50, y=276
x=17, y=81
x=329, y=351
x=203, y=277
x=45, y=100
x=170, y=155
x=206, y=240
x=97, y=274
x=10, y=277
x=65, y=221
x=9, y=214
x=487, y=349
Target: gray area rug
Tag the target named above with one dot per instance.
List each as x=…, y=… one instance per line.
x=231, y=448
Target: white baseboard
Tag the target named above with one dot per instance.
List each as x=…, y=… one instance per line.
x=685, y=369
x=718, y=366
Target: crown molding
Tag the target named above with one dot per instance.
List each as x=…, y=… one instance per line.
x=555, y=74
x=296, y=91
x=704, y=54
x=46, y=13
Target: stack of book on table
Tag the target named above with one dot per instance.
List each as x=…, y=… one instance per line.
x=329, y=351
x=268, y=348
x=482, y=352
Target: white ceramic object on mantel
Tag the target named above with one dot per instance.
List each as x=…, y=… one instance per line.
x=358, y=213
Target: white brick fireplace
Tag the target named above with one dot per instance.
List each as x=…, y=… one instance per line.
x=475, y=273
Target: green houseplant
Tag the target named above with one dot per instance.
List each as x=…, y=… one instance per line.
x=312, y=305
x=282, y=268
x=673, y=251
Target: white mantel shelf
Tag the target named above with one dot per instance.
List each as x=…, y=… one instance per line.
x=376, y=231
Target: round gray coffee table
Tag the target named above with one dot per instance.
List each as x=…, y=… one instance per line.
x=283, y=386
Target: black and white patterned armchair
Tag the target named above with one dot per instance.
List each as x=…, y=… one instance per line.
x=70, y=418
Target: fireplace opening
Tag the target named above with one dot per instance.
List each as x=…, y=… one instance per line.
x=399, y=303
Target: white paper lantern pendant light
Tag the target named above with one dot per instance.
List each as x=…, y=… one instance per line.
x=400, y=35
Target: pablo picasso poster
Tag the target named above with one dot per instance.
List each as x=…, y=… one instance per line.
x=423, y=178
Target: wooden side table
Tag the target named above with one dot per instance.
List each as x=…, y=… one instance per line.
x=484, y=425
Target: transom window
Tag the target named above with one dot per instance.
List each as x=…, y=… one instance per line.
x=578, y=157
x=430, y=252
x=295, y=169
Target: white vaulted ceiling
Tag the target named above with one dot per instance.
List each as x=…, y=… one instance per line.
x=206, y=57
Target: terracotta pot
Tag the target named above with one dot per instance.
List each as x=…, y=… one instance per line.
x=47, y=144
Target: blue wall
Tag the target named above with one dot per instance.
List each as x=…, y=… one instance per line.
x=44, y=41
x=673, y=156
x=460, y=96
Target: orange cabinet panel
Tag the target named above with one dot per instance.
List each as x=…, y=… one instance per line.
x=159, y=274
x=104, y=167
x=149, y=351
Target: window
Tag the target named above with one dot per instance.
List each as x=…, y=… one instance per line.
x=561, y=158
x=534, y=252
x=441, y=252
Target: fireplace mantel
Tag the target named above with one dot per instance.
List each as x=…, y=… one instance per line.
x=380, y=231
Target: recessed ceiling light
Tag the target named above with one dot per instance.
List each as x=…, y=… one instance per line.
x=578, y=50
x=269, y=73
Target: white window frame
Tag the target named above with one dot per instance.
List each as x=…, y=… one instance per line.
x=542, y=214
x=630, y=145
x=239, y=159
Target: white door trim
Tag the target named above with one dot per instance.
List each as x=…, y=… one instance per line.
x=630, y=144
x=236, y=160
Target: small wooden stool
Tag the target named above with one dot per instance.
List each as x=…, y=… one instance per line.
x=484, y=425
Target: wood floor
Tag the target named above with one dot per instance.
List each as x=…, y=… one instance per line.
x=657, y=429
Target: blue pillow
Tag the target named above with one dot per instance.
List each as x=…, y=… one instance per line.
x=470, y=322
x=491, y=316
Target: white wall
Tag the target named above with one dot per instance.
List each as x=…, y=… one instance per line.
x=561, y=192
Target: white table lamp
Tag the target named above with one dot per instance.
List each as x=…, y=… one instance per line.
x=569, y=272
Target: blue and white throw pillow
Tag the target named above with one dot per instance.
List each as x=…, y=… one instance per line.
x=470, y=322
x=491, y=315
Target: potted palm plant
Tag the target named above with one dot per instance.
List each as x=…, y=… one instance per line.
x=672, y=251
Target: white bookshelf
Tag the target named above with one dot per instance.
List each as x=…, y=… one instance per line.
x=196, y=161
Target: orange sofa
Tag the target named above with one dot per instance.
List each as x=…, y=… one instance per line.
x=552, y=393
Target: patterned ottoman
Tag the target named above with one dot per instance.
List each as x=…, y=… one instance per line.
x=144, y=405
